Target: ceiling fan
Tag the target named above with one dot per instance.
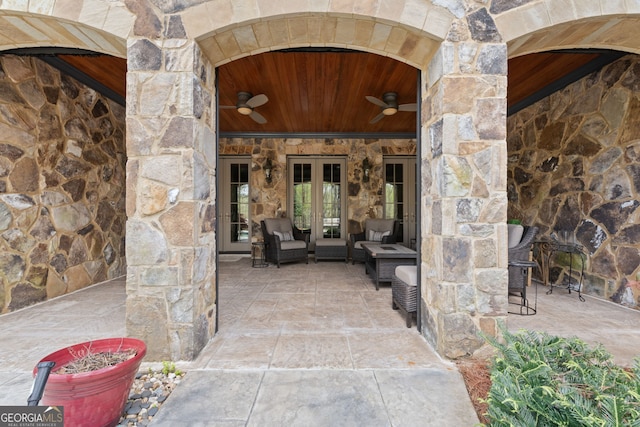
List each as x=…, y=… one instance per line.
x=389, y=105
x=246, y=104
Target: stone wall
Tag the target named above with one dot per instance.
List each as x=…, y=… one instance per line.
x=62, y=174
x=574, y=165
x=365, y=199
x=171, y=276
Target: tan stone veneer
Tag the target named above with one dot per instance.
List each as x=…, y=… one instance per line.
x=574, y=166
x=463, y=179
x=170, y=197
x=62, y=176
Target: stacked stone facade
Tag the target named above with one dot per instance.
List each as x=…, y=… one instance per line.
x=574, y=166
x=62, y=179
x=365, y=199
x=170, y=194
x=172, y=48
x=464, y=285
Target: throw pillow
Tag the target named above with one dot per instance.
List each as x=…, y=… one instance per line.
x=285, y=236
x=376, y=236
x=514, y=233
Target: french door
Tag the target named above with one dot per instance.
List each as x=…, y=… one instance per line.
x=400, y=196
x=234, y=223
x=317, y=196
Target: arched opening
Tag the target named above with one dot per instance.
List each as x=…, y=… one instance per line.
x=63, y=159
x=572, y=163
x=354, y=141
x=317, y=118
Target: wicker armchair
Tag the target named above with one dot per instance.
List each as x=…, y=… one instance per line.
x=519, y=251
x=284, y=242
x=386, y=229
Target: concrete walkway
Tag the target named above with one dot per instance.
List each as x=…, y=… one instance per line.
x=311, y=345
x=595, y=321
x=315, y=345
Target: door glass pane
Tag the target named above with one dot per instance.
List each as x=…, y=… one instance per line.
x=239, y=199
x=389, y=173
x=331, y=201
x=302, y=196
x=394, y=206
x=244, y=173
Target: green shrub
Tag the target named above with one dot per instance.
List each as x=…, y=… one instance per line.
x=543, y=380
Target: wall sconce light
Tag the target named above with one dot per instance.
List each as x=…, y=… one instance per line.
x=366, y=168
x=268, y=168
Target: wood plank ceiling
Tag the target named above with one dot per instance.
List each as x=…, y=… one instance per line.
x=318, y=92
x=324, y=92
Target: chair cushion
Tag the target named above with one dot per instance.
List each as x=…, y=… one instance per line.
x=378, y=224
x=514, y=232
x=408, y=274
x=278, y=224
x=331, y=242
x=285, y=236
x=293, y=244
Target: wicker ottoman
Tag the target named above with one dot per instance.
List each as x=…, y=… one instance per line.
x=331, y=249
x=404, y=290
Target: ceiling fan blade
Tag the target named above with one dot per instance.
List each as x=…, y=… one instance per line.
x=257, y=100
x=377, y=118
x=408, y=107
x=376, y=101
x=257, y=117
x=227, y=107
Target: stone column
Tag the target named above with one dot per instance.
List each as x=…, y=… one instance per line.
x=170, y=195
x=463, y=152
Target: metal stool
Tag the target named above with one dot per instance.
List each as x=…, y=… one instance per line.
x=257, y=255
x=524, y=306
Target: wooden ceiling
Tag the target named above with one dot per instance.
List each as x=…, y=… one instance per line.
x=324, y=92
x=108, y=70
x=317, y=92
x=533, y=77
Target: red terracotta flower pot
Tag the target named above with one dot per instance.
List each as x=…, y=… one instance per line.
x=94, y=398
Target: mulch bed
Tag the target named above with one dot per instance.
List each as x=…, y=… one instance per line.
x=477, y=378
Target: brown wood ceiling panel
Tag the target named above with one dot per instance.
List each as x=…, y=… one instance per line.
x=317, y=92
x=324, y=92
x=529, y=74
x=108, y=70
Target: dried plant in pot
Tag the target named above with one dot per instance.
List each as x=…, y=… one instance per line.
x=91, y=380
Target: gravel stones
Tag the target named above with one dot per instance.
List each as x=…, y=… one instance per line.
x=149, y=391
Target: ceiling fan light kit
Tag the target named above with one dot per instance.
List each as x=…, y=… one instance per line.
x=246, y=106
x=389, y=105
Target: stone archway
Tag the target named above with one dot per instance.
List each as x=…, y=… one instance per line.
x=90, y=25
x=403, y=32
x=63, y=158
x=611, y=264
x=186, y=338
x=536, y=25
x=170, y=179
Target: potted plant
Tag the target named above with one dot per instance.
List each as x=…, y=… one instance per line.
x=92, y=380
